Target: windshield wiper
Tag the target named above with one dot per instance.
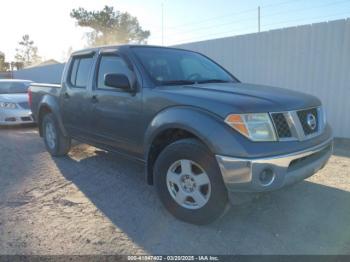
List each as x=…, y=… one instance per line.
x=178, y=82
x=213, y=81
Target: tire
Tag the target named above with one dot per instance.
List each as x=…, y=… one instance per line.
x=55, y=142
x=171, y=165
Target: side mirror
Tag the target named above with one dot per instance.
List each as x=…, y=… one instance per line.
x=118, y=81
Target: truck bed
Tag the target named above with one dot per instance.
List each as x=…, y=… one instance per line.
x=38, y=91
x=37, y=86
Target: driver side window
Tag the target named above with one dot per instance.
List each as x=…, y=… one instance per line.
x=111, y=65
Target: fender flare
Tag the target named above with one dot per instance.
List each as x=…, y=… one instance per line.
x=52, y=104
x=206, y=126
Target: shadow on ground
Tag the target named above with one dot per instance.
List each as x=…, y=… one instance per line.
x=18, y=127
x=307, y=218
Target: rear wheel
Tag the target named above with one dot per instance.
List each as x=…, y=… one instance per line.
x=189, y=182
x=56, y=143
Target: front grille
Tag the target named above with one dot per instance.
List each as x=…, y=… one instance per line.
x=303, y=118
x=26, y=119
x=24, y=105
x=10, y=119
x=281, y=124
x=298, y=125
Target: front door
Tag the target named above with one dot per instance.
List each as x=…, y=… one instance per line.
x=116, y=114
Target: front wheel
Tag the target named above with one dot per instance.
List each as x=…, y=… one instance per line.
x=189, y=182
x=56, y=143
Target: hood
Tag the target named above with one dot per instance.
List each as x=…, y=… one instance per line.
x=14, y=98
x=244, y=98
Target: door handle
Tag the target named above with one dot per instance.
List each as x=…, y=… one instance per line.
x=94, y=99
x=66, y=95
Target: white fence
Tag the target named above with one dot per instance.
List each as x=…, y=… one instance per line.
x=312, y=58
x=41, y=74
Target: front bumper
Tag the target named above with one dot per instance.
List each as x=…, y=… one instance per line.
x=9, y=117
x=265, y=174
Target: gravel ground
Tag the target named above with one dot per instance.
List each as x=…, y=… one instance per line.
x=94, y=202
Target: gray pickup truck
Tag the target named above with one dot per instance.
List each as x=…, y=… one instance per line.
x=198, y=130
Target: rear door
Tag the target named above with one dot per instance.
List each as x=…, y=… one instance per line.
x=75, y=98
x=116, y=114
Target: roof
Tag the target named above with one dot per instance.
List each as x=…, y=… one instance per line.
x=95, y=49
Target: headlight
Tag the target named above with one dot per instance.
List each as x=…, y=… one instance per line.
x=8, y=105
x=256, y=127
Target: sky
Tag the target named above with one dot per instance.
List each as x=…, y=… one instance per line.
x=48, y=22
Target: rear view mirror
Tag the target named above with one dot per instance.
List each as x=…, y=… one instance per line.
x=118, y=81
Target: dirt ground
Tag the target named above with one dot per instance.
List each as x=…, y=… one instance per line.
x=94, y=202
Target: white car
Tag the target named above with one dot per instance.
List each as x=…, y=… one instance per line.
x=14, y=104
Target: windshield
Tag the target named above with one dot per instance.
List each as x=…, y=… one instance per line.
x=174, y=66
x=13, y=87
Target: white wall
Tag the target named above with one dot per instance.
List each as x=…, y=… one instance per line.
x=312, y=58
x=41, y=74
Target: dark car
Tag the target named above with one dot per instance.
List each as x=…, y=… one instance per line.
x=198, y=130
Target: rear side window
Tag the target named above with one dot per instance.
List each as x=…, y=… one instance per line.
x=80, y=71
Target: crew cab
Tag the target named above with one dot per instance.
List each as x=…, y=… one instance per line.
x=200, y=132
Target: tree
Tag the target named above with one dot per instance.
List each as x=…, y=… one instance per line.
x=3, y=65
x=16, y=65
x=110, y=26
x=27, y=53
x=66, y=55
